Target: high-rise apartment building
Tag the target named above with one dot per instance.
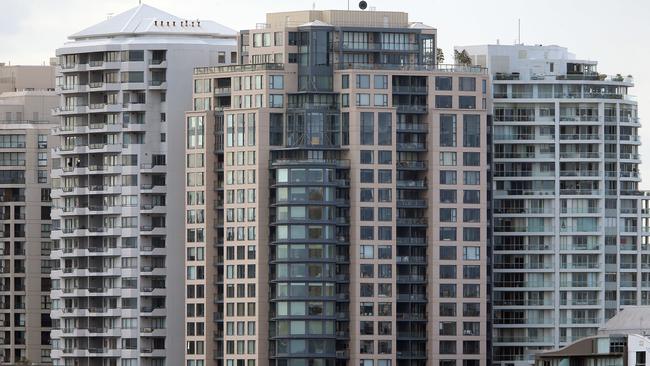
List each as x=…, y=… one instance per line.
x=25, y=141
x=118, y=284
x=569, y=246
x=336, y=204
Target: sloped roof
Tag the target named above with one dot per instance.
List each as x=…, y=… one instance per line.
x=630, y=320
x=316, y=23
x=145, y=19
x=420, y=25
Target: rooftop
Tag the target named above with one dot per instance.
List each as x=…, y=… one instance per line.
x=630, y=320
x=145, y=19
x=342, y=18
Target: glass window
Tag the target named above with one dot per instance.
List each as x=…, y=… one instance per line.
x=443, y=83
x=471, y=196
x=471, y=130
x=384, y=176
x=471, y=234
x=367, y=133
x=345, y=81
x=471, y=159
x=367, y=176
x=385, y=129
x=365, y=156
x=447, y=158
x=381, y=82
x=385, y=156
x=448, y=233
x=443, y=101
x=381, y=100
x=471, y=253
x=466, y=84
x=447, y=253
x=447, y=214
x=471, y=177
x=471, y=215
x=363, y=81
x=467, y=102
x=363, y=99
x=447, y=196
x=448, y=130
x=448, y=177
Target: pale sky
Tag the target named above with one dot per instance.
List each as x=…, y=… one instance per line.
x=616, y=33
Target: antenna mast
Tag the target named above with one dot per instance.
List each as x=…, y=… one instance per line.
x=519, y=30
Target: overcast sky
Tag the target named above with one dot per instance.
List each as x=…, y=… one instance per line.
x=616, y=33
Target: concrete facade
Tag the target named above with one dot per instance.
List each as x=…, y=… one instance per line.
x=124, y=85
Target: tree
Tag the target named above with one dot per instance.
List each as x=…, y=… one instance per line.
x=462, y=58
x=440, y=56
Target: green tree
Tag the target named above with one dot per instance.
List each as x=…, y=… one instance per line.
x=440, y=56
x=462, y=58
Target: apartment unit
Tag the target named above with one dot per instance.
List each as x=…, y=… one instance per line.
x=336, y=206
x=570, y=225
x=25, y=139
x=117, y=285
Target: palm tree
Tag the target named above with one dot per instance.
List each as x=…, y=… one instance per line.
x=440, y=56
x=462, y=58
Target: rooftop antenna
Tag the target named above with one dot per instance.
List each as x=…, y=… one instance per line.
x=313, y=5
x=519, y=30
x=348, y=4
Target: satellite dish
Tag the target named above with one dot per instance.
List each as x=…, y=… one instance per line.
x=363, y=5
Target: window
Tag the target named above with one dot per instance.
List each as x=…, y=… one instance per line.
x=363, y=99
x=367, y=252
x=367, y=132
x=385, y=157
x=381, y=100
x=366, y=233
x=466, y=84
x=443, y=101
x=384, y=232
x=471, y=215
x=447, y=177
x=471, y=290
x=384, y=176
x=471, y=309
x=367, y=175
x=384, y=214
x=447, y=347
x=471, y=159
x=471, y=177
x=447, y=271
x=365, y=156
x=448, y=253
x=385, y=129
x=363, y=81
x=384, y=195
x=447, y=158
x=381, y=82
x=447, y=215
x=276, y=81
x=447, y=233
x=466, y=102
x=447, y=290
x=471, y=130
x=471, y=272
x=471, y=347
x=443, y=83
x=471, y=234
x=447, y=328
x=366, y=214
x=366, y=195
x=447, y=130
x=471, y=196
x=447, y=309
x=471, y=253
x=447, y=196
x=366, y=271
x=276, y=100
x=345, y=81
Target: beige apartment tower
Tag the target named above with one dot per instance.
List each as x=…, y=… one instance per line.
x=336, y=198
x=25, y=141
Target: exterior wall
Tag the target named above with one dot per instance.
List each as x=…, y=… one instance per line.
x=25, y=224
x=21, y=77
x=131, y=235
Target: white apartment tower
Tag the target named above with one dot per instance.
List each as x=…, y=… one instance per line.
x=119, y=267
x=568, y=220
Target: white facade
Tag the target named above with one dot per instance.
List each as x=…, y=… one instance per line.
x=567, y=215
x=124, y=86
